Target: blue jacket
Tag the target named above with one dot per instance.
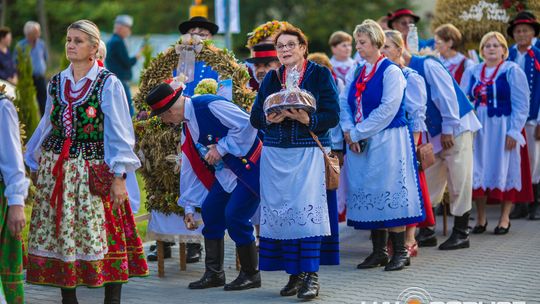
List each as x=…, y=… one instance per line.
x=118, y=60
x=533, y=77
x=290, y=133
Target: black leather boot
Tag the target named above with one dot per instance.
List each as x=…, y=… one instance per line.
x=460, y=234
x=113, y=293
x=426, y=237
x=294, y=284
x=519, y=211
x=534, y=212
x=310, y=287
x=400, y=258
x=249, y=276
x=194, y=251
x=69, y=296
x=214, y=276
x=379, y=256
x=153, y=256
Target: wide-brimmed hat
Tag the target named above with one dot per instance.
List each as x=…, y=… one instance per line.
x=399, y=13
x=198, y=21
x=523, y=18
x=162, y=97
x=263, y=53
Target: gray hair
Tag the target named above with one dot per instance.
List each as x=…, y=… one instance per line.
x=29, y=26
x=373, y=30
x=88, y=27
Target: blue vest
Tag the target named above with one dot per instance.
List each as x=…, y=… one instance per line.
x=533, y=78
x=504, y=101
x=211, y=130
x=433, y=115
x=202, y=71
x=372, y=95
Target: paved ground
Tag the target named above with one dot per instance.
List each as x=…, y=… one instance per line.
x=495, y=268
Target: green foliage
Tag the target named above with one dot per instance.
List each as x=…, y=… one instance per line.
x=26, y=92
x=147, y=52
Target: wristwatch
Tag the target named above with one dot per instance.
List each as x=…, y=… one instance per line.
x=120, y=175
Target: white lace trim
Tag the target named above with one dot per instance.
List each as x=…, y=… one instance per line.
x=71, y=258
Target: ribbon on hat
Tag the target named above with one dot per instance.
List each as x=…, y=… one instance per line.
x=536, y=63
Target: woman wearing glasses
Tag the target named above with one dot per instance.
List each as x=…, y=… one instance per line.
x=294, y=211
x=383, y=192
x=500, y=93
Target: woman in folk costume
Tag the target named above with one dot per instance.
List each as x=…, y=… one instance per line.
x=448, y=40
x=523, y=28
x=414, y=99
x=383, y=192
x=82, y=230
x=500, y=93
x=294, y=211
x=13, y=191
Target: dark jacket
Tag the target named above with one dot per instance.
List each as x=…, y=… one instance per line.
x=118, y=60
x=290, y=133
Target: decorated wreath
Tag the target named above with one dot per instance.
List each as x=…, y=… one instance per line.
x=263, y=32
x=158, y=145
x=474, y=18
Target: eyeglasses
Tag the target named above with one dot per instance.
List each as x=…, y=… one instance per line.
x=495, y=45
x=283, y=47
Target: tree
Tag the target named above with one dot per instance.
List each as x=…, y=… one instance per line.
x=26, y=92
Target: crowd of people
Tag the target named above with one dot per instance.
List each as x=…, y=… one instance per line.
x=406, y=128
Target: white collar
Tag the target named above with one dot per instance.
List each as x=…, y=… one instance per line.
x=91, y=75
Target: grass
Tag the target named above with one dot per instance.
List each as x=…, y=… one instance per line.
x=141, y=226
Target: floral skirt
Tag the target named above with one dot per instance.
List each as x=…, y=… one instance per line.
x=11, y=266
x=93, y=245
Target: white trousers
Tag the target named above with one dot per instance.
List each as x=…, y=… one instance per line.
x=453, y=167
x=533, y=146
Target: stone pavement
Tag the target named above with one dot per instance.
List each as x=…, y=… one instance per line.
x=495, y=268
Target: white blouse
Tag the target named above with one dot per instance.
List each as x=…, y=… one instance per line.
x=11, y=162
x=415, y=99
x=119, y=136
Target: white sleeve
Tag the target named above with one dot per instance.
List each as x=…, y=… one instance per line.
x=192, y=190
x=393, y=88
x=443, y=95
x=33, y=146
x=520, y=95
x=11, y=161
x=415, y=101
x=119, y=136
x=346, y=120
x=241, y=134
x=466, y=80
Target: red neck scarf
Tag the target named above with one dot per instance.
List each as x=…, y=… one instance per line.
x=484, y=82
x=361, y=83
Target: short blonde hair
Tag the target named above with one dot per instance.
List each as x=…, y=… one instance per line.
x=373, y=30
x=448, y=32
x=339, y=37
x=395, y=37
x=320, y=59
x=500, y=38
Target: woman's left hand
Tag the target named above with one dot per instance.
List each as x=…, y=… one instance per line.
x=355, y=147
x=118, y=192
x=297, y=114
x=510, y=143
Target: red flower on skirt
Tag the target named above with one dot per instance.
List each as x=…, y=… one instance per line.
x=88, y=129
x=91, y=112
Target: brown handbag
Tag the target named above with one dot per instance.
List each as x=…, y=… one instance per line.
x=331, y=166
x=425, y=155
x=100, y=179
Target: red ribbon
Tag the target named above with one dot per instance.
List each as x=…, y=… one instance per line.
x=206, y=176
x=160, y=104
x=57, y=196
x=361, y=83
x=260, y=54
x=483, y=83
x=536, y=63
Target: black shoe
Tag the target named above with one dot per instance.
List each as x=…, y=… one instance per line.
x=460, y=234
x=479, y=229
x=249, y=276
x=294, y=284
x=500, y=230
x=69, y=296
x=153, y=247
x=194, y=251
x=153, y=256
x=534, y=214
x=534, y=210
x=379, y=256
x=519, y=211
x=400, y=258
x=113, y=293
x=426, y=237
x=214, y=276
x=310, y=287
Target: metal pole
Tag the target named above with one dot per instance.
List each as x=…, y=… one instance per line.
x=227, y=5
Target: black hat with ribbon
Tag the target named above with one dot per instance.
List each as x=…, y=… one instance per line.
x=263, y=53
x=399, y=13
x=162, y=97
x=523, y=18
x=198, y=21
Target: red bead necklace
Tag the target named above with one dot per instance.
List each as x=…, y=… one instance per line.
x=284, y=78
